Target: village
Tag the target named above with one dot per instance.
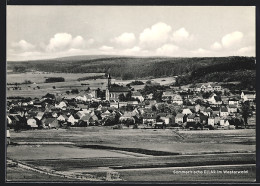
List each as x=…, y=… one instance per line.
x=200, y=107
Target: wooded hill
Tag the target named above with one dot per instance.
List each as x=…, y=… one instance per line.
x=191, y=69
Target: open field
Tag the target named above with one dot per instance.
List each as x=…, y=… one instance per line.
x=139, y=154
x=71, y=82
x=151, y=139
x=39, y=77
x=17, y=174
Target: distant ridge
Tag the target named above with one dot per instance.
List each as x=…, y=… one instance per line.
x=89, y=57
x=128, y=67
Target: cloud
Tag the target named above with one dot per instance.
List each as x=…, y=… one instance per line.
x=65, y=41
x=60, y=41
x=167, y=49
x=78, y=42
x=247, y=51
x=22, y=46
x=155, y=36
x=126, y=39
x=200, y=52
x=135, y=50
x=232, y=39
x=106, y=48
x=216, y=46
x=181, y=35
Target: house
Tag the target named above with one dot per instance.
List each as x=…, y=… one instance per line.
x=209, y=88
x=179, y=118
x=81, y=98
x=72, y=120
x=211, y=121
x=224, y=122
x=138, y=95
x=122, y=104
x=215, y=110
x=86, y=118
x=186, y=111
x=248, y=96
x=61, y=105
x=197, y=119
x=203, y=88
x=93, y=119
x=148, y=119
x=149, y=96
x=214, y=99
x=190, y=118
x=79, y=114
x=177, y=99
x=164, y=118
x=223, y=111
x=203, y=118
x=62, y=118
x=207, y=111
x=32, y=123
x=232, y=108
x=128, y=116
x=197, y=108
x=133, y=103
x=251, y=120
x=167, y=95
x=50, y=123
x=233, y=101
x=171, y=119
x=114, y=104
x=105, y=114
x=216, y=87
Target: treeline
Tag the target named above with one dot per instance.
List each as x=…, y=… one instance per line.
x=246, y=78
x=54, y=79
x=92, y=77
x=137, y=67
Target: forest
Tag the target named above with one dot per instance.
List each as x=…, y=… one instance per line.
x=188, y=70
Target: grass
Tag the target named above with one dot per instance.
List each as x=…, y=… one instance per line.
x=99, y=149
x=153, y=140
x=16, y=174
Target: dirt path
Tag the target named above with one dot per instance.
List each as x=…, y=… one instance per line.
x=86, y=177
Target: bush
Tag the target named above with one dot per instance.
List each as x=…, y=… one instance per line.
x=54, y=79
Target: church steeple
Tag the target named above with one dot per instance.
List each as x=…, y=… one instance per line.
x=108, y=80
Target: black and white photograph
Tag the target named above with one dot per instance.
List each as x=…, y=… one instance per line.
x=121, y=94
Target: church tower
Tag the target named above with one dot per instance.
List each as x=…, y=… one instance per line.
x=108, y=80
x=108, y=86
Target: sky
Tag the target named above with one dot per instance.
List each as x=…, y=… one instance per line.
x=43, y=32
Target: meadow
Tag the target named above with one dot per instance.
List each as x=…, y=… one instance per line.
x=39, y=88
x=138, y=154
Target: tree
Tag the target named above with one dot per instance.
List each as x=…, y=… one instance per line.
x=246, y=111
x=74, y=91
x=121, y=97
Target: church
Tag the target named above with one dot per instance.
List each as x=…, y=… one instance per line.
x=112, y=92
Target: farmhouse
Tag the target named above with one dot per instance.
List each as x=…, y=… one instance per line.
x=50, y=123
x=167, y=95
x=138, y=95
x=177, y=99
x=214, y=99
x=232, y=108
x=223, y=111
x=179, y=118
x=248, y=96
x=32, y=123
